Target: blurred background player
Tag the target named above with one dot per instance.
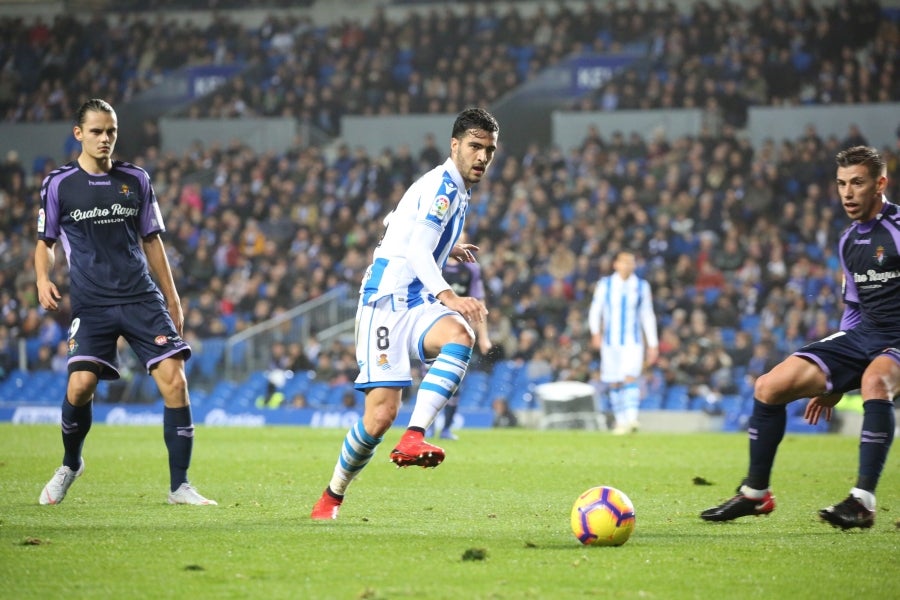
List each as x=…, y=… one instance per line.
x=864, y=354
x=407, y=307
x=623, y=329
x=465, y=280
x=106, y=213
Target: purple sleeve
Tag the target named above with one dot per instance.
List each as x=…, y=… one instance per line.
x=48, y=216
x=151, y=218
x=850, y=294
x=476, y=286
x=851, y=317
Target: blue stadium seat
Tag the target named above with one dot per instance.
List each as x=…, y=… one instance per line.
x=318, y=393
x=474, y=390
x=209, y=359
x=677, y=398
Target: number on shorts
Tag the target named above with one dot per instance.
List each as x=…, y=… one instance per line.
x=382, y=341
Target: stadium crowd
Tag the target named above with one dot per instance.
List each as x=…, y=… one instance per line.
x=720, y=56
x=737, y=241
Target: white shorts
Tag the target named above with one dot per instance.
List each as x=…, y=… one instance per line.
x=387, y=335
x=620, y=362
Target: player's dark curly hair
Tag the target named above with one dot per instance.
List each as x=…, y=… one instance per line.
x=863, y=155
x=474, y=118
x=95, y=104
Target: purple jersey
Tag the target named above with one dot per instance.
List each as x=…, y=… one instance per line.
x=870, y=257
x=101, y=220
x=464, y=278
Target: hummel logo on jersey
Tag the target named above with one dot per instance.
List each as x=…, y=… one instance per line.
x=101, y=182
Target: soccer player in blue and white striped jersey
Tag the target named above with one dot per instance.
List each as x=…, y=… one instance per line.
x=407, y=308
x=623, y=328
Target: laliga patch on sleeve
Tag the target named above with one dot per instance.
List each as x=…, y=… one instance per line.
x=440, y=207
x=42, y=221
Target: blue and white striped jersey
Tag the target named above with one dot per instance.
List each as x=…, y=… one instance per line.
x=420, y=233
x=621, y=310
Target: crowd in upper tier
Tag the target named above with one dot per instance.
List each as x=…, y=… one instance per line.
x=737, y=241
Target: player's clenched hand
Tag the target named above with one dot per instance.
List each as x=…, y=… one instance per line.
x=48, y=295
x=819, y=406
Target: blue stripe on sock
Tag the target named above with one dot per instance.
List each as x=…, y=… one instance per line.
x=457, y=351
x=437, y=389
x=454, y=377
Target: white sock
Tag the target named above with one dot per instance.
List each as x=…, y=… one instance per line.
x=749, y=492
x=438, y=384
x=866, y=498
x=356, y=452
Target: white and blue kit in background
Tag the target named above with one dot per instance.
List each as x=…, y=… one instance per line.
x=621, y=312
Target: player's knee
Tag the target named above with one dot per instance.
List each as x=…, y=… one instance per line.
x=378, y=419
x=766, y=390
x=81, y=386
x=80, y=393
x=173, y=388
x=462, y=335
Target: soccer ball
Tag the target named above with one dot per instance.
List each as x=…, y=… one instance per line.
x=603, y=516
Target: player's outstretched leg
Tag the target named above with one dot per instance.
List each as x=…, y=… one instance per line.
x=413, y=450
x=747, y=502
x=59, y=484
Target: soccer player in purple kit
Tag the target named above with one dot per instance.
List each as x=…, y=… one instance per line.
x=105, y=213
x=465, y=279
x=864, y=354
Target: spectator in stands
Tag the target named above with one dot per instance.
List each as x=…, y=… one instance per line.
x=393, y=317
x=122, y=299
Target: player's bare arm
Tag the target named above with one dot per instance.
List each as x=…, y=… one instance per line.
x=44, y=259
x=162, y=272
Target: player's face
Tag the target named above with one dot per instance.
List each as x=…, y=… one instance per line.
x=860, y=193
x=473, y=154
x=625, y=265
x=97, y=134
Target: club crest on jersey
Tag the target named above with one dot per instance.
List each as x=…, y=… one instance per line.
x=125, y=191
x=382, y=362
x=42, y=220
x=440, y=207
x=73, y=346
x=879, y=255
x=160, y=340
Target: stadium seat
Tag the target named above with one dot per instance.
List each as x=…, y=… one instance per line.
x=318, y=393
x=473, y=393
x=209, y=359
x=677, y=398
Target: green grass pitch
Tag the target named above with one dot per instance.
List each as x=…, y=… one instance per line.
x=501, y=500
